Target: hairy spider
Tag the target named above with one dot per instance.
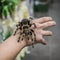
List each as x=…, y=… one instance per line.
x=26, y=31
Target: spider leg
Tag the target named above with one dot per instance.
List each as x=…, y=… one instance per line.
x=34, y=35
x=15, y=31
x=32, y=42
x=18, y=27
x=34, y=25
x=33, y=38
x=20, y=37
x=23, y=36
x=31, y=18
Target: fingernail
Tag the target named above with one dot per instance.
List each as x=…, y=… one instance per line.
x=54, y=23
x=50, y=18
x=51, y=33
x=45, y=43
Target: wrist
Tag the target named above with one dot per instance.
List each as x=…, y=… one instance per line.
x=12, y=46
x=22, y=44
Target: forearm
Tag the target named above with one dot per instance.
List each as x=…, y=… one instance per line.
x=10, y=48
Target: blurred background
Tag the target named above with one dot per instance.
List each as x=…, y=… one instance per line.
x=43, y=8
x=12, y=11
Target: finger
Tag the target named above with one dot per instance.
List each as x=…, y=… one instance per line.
x=47, y=24
x=42, y=20
x=46, y=33
x=43, y=41
x=39, y=38
x=37, y=25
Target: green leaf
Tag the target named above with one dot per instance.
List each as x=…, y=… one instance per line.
x=8, y=7
x=5, y=11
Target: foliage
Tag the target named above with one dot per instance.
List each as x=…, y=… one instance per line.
x=7, y=7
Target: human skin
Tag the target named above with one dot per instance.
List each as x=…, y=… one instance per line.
x=10, y=48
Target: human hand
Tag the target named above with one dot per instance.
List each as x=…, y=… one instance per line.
x=41, y=24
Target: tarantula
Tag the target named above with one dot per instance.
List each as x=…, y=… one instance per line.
x=26, y=31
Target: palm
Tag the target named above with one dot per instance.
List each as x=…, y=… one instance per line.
x=42, y=23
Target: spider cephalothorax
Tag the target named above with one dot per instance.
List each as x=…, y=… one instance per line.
x=26, y=32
